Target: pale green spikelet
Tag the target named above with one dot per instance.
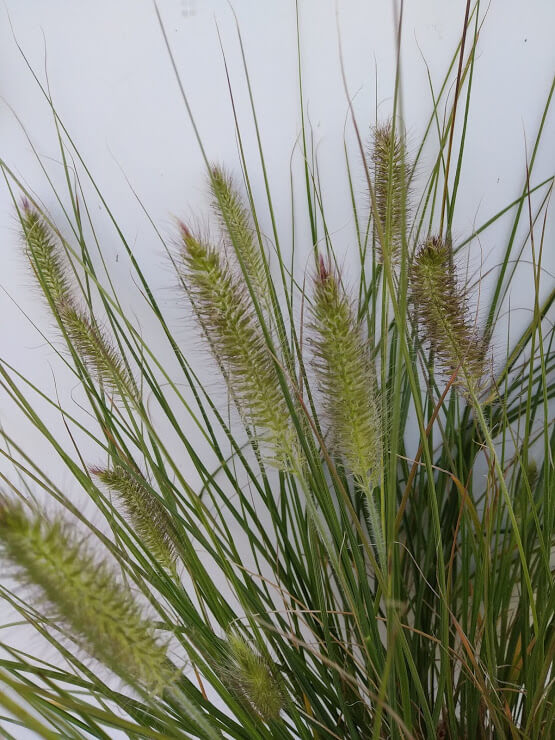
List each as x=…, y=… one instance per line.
x=144, y=512
x=43, y=253
x=389, y=158
x=236, y=222
x=252, y=677
x=441, y=313
x=95, y=350
x=86, y=338
x=346, y=377
x=231, y=325
x=89, y=602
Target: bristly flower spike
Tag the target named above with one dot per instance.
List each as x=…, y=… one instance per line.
x=236, y=222
x=251, y=676
x=43, y=253
x=346, y=376
x=348, y=384
x=144, y=511
x=391, y=168
x=99, y=356
x=95, y=609
x=228, y=318
x=85, y=337
x=441, y=314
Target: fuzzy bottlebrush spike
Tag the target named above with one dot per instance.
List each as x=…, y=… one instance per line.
x=43, y=253
x=251, y=676
x=346, y=377
x=231, y=325
x=88, y=341
x=389, y=157
x=95, y=350
x=144, y=512
x=95, y=609
x=441, y=313
x=236, y=222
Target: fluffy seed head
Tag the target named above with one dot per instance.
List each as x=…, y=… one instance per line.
x=441, y=313
x=236, y=223
x=43, y=252
x=97, y=611
x=144, y=512
x=231, y=325
x=346, y=376
x=95, y=350
x=389, y=157
x=253, y=678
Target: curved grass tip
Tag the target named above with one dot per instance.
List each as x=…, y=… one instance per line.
x=232, y=327
x=144, y=511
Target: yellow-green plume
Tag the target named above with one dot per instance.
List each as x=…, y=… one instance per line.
x=441, y=313
x=95, y=350
x=96, y=610
x=85, y=337
x=144, y=512
x=232, y=328
x=43, y=253
x=346, y=377
x=252, y=677
x=236, y=221
x=389, y=158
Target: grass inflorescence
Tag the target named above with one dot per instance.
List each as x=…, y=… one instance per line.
x=442, y=313
x=98, y=612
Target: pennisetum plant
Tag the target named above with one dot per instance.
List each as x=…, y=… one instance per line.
x=363, y=547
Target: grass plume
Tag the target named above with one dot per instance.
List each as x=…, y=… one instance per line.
x=228, y=318
x=237, y=223
x=441, y=313
x=347, y=381
x=342, y=362
x=85, y=337
x=390, y=177
x=97, y=353
x=43, y=252
x=99, y=613
x=252, y=677
x=147, y=515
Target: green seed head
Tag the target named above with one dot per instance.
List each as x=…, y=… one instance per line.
x=97, y=611
x=236, y=222
x=144, y=511
x=441, y=313
x=231, y=325
x=253, y=678
x=95, y=350
x=391, y=169
x=346, y=376
x=43, y=252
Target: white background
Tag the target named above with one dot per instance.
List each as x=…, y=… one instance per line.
x=114, y=89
